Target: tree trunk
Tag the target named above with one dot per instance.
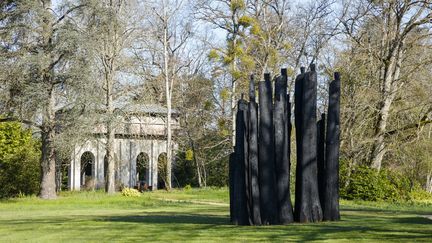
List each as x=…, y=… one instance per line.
x=233, y=113
x=110, y=183
x=204, y=173
x=391, y=74
x=429, y=182
x=168, y=93
x=233, y=93
x=48, y=162
x=197, y=168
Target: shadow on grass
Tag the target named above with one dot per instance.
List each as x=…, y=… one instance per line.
x=413, y=220
x=385, y=211
x=185, y=226
x=164, y=218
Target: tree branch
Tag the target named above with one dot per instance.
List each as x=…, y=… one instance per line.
x=27, y=122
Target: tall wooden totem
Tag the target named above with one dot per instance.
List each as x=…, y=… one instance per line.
x=259, y=168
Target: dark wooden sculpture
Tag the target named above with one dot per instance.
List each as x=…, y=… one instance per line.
x=266, y=163
x=259, y=169
x=321, y=156
x=331, y=171
x=253, y=155
x=281, y=142
x=307, y=204
x=240, y=211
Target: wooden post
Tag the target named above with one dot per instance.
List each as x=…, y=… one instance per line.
x=331, y=196
x=240, y=200
x=243, y=107
x=298, y=93
x=267, y=180
x=321, y=157
x=281, y=141
x=307, y=205
x=253, y=155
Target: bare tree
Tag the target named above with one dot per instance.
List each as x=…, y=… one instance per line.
x=398, y=23
x=227, y=15
x=170, y=26
x=113, y=26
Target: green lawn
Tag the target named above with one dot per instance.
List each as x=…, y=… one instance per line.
x=195, y=215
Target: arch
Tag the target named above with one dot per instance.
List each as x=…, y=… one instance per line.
x=142, y=169
x=87, y=168
x=162, y=170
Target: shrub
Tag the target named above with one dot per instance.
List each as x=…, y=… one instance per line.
x=184, y=171
x=19, y=161
x=369, y=184
x=419, y=195
x=187, y=187
x=130, y=192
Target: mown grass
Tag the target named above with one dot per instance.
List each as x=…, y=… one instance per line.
x=194, y=215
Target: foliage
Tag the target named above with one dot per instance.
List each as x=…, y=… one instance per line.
x=19, y=161
x=188, y=187
x=237, y=4
x=420, y=196
x=213, y=54
x=130, y=192
x=184, y=171
x=365, y=183
x=218, y=173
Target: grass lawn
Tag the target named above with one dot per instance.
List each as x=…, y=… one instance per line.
x=195, y=215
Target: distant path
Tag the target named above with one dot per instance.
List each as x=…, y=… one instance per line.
x=427, y=216
x=193, y=201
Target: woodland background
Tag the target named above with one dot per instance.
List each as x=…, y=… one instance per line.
x=197, y=57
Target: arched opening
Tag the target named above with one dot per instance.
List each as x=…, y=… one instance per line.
x=87, y=166
x=142, y=171
x=162, y=170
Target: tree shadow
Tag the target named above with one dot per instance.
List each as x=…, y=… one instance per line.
x=413, y=220
x=383, y=210
x=165, y=218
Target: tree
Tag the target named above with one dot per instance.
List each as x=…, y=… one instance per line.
x=266, y=41
x=170, y=25
x=230, y=16
x=401, y=26
x=112, y=27
x=197, y=109
x=43, y=63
